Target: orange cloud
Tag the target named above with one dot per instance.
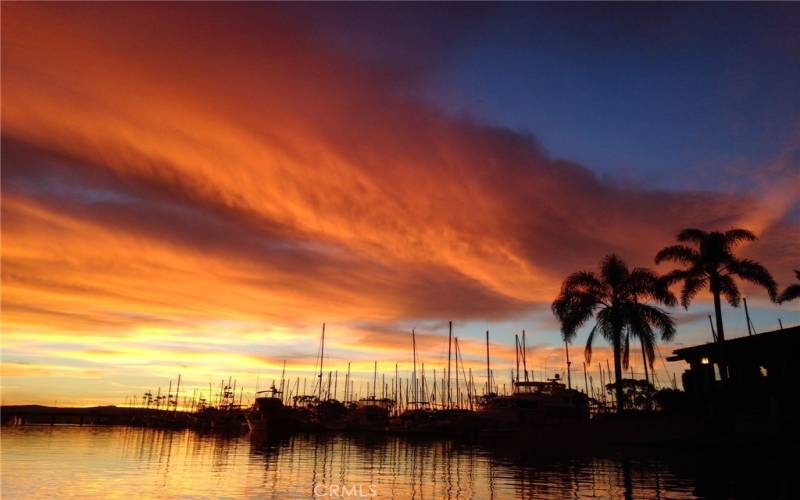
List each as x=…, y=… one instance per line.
x=222, y=179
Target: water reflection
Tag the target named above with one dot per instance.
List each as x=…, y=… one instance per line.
x=119, y=462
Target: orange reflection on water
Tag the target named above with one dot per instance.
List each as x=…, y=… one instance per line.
x=121, y=462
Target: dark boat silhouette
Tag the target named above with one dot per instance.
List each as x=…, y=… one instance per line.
x=269, y=414
x=533, y=404
x=370, y=414
x=330, y=415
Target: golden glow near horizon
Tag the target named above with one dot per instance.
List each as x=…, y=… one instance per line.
x=175, y=201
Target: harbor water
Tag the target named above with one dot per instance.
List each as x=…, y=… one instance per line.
x=119, y=462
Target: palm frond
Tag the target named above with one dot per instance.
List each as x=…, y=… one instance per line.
x=693, y=235
x=626, y=351
x=729, y=290
x=691, y=287
x=677, y=253
x=642, y=282
x=660, y=292
x=583, y=280
x=790, y=293
x=587, y=352
x=677, y=275
x=581, y=293
x=660, y=319
x=754, y=272
x=735, y=236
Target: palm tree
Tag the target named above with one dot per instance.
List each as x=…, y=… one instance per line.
x=792, y=291
x=711, y=264
x=615, y=298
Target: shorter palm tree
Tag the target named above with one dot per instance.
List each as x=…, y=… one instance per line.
x=616, y=298
x=792, y=291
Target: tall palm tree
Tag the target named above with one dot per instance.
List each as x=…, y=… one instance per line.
x=616, y=299
x=792, y=291
x=711, y=263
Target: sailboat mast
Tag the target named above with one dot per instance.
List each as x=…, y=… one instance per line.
x=524, y=356
x=516, y=355
x=750, y=327
x=488, y=369
x=321, y=357
x=177, y=391
x=283, y=379
x=449, y=350
x=585, y=380
x=414, y=370
x=424, y=396
x=374, y=379
x=458, y=393
x=713, y=333
x=347, y=383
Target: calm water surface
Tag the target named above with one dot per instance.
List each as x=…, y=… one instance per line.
x=85, y=462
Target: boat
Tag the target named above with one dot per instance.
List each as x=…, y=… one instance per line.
x=370, y=414
x=534, y=404
x=269, y=414
x=331, y=415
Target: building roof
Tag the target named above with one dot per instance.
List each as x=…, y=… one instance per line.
x=752, y=344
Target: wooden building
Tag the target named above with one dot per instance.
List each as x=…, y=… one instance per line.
x=761, y=369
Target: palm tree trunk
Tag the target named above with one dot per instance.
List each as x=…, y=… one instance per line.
x=644, y=360
x=718, y=313
x=617, y=344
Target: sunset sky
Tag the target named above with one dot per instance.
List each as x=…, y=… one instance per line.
x=194, y=189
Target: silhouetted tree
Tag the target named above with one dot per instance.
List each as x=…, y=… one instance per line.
x=659, y=290
x=672, y=400
x=615, y=298
x=637, y=393
x=792, y=291
x=711, y=263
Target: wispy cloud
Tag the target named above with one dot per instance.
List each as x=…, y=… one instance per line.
x=173, y=176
